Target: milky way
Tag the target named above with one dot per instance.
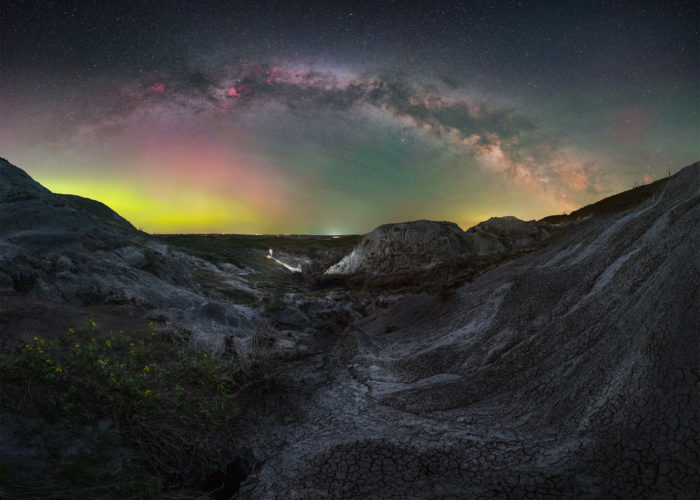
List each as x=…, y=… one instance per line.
x=334, y=119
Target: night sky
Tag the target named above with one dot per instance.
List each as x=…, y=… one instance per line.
x=266, y=117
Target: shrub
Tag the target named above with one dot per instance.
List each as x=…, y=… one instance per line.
x=162, y=405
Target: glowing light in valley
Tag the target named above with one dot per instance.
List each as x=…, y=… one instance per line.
x=291, y=268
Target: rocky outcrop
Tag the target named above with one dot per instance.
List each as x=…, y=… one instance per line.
x=501, y=234
x=77, y=251
x=422, y=245
x=54, y=248
x=16, y=185
x=570, y=372
x=397, y=247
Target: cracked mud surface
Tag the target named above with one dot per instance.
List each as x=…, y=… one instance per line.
x=569, y=372
x=572, y=371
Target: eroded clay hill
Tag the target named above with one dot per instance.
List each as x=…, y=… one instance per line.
x=69, y=255
x=423, y=244
x=572, y=371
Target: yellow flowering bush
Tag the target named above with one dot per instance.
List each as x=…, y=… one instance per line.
x=154, y=389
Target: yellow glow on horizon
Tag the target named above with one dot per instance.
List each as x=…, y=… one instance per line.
x=174, y=206
x=181, y=210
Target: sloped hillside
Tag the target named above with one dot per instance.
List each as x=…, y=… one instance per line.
x=562, y=360
x=572, y=371
x=72, y=251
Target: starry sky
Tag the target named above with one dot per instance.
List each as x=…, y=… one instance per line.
x=332, y=118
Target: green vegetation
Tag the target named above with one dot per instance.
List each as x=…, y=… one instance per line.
x=124, y=414
x=251, y=252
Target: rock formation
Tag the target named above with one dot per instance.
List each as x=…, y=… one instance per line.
x=571, y=371
x=72, y=250
x=397, y=247
x=501, y=234
x=423, y=244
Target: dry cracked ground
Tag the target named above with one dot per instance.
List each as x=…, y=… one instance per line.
x=572, y=371
x=567, y=371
